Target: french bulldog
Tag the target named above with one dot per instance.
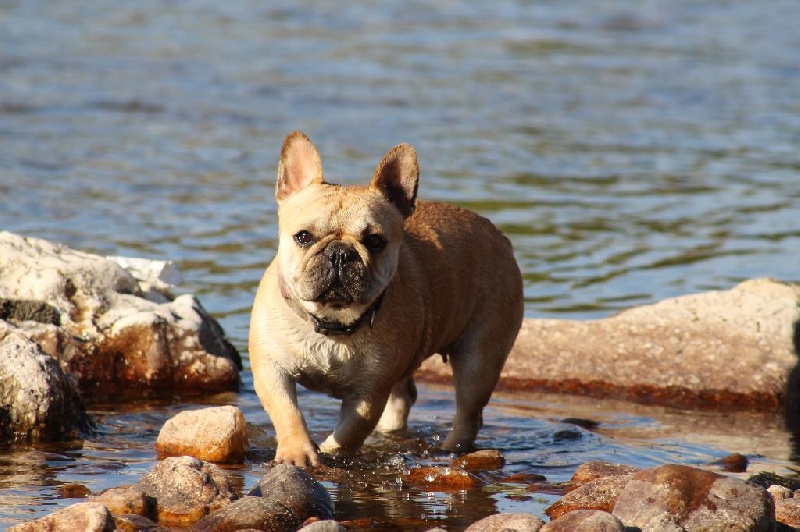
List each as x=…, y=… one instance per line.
x=367, y=283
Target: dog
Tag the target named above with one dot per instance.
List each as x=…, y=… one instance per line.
x=366, y=284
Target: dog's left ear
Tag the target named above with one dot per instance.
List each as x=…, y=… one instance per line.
x=299, y=167
x=397, y=176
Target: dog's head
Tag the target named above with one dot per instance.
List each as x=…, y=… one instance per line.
x=339, y=245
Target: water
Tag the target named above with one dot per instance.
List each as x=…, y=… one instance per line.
x=632, y=152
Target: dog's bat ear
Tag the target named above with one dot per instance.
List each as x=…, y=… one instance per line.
x=299, y=167
x=397, y=176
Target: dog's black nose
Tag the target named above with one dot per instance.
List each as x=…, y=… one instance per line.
x=339, y=254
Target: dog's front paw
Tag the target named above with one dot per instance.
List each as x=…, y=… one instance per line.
x=299, y=454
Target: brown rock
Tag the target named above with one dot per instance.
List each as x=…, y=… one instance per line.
x=515, y=522
x=84, y=516
x=186, y=489
x=787, y=511
x=483, y=460
x=600, y=494
x=442, y=478
x=587, y=520
x=733, y=463
x=127, y=500
x=73, y=491
x=687, y=351
x=693, y=499
x=595, y=469
x=105, y=327
x=324, y=526
x=217, y=434
x=136, y=523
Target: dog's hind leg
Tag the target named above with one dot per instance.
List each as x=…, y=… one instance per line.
x=395, y=413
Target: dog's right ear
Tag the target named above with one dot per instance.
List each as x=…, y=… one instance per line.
x=299, y=167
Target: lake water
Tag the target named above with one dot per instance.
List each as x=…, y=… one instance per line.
x=631, y=151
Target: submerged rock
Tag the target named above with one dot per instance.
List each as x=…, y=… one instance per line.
x=216, y=434
x=294, y=489
x=38, y=402
x=686, y=351
x=107, y=328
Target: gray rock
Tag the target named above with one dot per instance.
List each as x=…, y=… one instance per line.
x=507, y=522
x=585, y=520
x=681, y=497
x=85, y=516
x=688, y=351
x=293, y=488
x=250, y=512
x=37, y=400
x=101, y=324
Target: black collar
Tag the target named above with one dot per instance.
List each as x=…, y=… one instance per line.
x=331, y=328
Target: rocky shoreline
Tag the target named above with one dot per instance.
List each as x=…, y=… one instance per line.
x=74, y=324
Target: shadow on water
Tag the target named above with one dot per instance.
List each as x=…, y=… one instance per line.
x=792, y=411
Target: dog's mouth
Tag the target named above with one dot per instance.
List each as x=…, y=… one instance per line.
x=337, y=298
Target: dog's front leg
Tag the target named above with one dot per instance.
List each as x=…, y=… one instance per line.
x=358, y=417
x=278, y=393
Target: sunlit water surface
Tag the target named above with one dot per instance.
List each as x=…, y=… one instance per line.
x=632, y=152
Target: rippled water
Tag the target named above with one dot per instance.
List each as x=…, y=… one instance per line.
x=632, y=152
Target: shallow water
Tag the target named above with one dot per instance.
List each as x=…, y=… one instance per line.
x=630, y=152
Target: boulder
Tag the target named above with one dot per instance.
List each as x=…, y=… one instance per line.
x=84, y=516
x=594, y=469
x=682, y=497
x=109, y=329
x=594, y=520
x=688, y=351
x=250, y=513
x=215, y=434
x=38, y=402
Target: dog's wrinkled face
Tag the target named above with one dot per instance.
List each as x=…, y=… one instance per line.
x=339, y=245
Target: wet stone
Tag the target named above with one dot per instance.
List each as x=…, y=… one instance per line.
x=217, y=434
x=595, y=469
x=127, y=500
x=292, y=488
x=136, y=523
x=84, y=516
x=250, y=512
x=594, y=520
x=599, y=494
x=516, y=522
x=483, y=460
x=442, y=478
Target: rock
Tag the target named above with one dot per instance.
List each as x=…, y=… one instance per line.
x=599, y=494
x=130, y=500
x=442, y=478
x=687, y=351
x=594, y=520
x=324, y=526
x=93, y=317
x=186, y=489
x=292, y=488
x=136, y=523
x=216, y=434
x=594, y=469
x=38, y=402
x=507, y=522
x=84, y=516
x=483, y=460
x=680, y=496
x=787, y=510
x=733, y=463
x=250, y=512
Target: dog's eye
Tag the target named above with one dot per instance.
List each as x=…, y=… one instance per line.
x=304, y=238
x=375, y=242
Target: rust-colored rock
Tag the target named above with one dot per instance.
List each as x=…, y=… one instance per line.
x=787, y=511
x=215, y=434
x=594, y=469
x=733, y=463
x=723, y=349
x=84, y=516
x=127, y=500
x=694, y=499
x=599, y=494
x=483, y=460
x=442, y=478
x=589, y=520
x=136, y=523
